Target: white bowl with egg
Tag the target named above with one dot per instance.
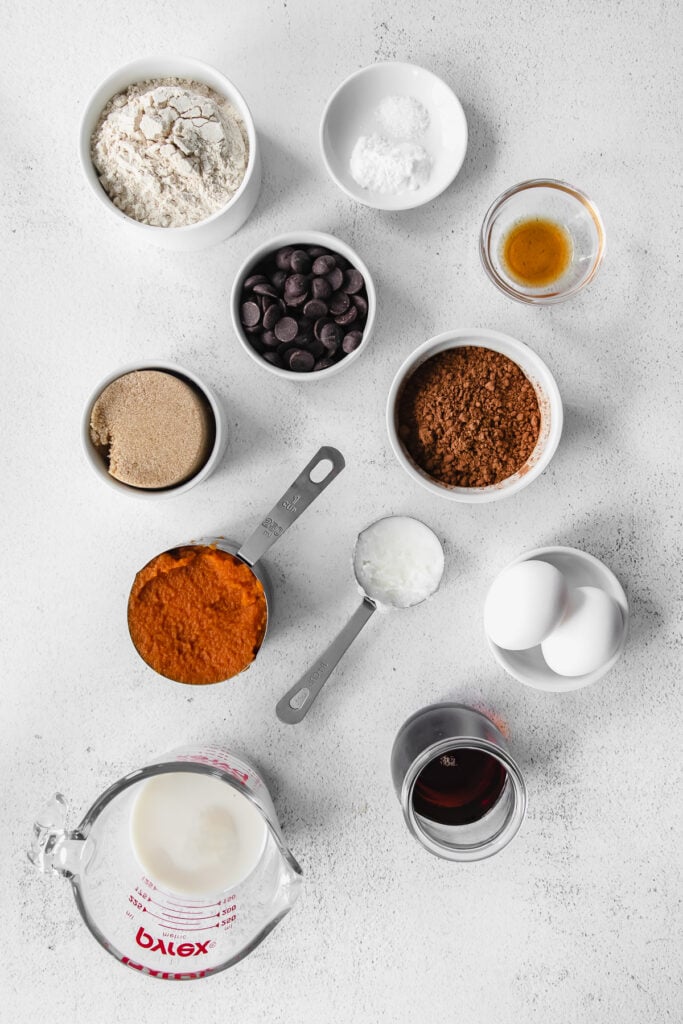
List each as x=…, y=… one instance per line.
x=97, y=460
x=579, y=569
x=549, y=402
x=350, y=113
x=229, y=218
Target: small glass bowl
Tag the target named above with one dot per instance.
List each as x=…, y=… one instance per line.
x=555, y=201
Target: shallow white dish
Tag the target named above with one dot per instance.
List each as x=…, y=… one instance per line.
x=220, y=225
x=302, y=238
x=98, y=463
x=349, y=113
x=580, y=570
x=549, y=401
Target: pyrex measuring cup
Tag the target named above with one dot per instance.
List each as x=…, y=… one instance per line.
x=148, y=927
x=325, y=465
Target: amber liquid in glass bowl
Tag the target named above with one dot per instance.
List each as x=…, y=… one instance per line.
x=536, y=251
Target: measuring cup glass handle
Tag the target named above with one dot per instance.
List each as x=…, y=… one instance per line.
x=297, y=702
x=296, y=498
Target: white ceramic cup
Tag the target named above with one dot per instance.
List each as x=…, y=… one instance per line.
x=303, y=238
x=98, y=462
x=220, y=225
x=534, y=369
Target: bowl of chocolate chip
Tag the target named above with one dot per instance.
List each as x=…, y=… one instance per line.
x=474, y=415
x=303, y=305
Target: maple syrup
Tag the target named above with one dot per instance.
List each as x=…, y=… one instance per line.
x=459, y=786
x=536, y=251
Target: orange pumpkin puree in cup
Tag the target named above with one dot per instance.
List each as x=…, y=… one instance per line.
x=197, y=614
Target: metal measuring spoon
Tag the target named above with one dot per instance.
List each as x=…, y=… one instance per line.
x=296, y=703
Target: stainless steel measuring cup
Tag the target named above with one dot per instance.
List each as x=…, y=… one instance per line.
x=139, y=921
x=293, y=502
x=297, y=702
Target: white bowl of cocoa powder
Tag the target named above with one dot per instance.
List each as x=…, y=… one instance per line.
x=474, y=415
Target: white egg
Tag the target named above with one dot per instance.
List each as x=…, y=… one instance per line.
x=587, y=636
x=524, y=604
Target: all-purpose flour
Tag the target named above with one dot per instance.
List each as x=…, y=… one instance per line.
x=170, y=152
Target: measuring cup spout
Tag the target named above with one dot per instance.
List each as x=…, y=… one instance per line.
x=53, y=849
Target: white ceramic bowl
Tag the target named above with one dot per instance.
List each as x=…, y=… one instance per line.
x=99, y=464
x=549, y=402
x=349, y=113
x=220, y=225
x=580, y=570
x=302, y=238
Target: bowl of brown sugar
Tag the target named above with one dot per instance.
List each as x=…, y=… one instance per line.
x=474, y=415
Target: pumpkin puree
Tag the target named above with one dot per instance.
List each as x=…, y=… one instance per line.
x=197, y=614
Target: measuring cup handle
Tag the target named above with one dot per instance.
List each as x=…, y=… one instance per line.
x=296, y=703
x=296, y=498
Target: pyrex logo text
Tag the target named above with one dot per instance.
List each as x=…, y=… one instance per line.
x=147, y=941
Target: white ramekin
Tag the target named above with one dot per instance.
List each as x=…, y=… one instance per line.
x=98, y=463
x=549, y=402
x=303, y=238
x=220, y=225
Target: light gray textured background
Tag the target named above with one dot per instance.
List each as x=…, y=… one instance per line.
x=580, y=919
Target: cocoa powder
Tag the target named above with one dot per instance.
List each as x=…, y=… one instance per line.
x=469, y=417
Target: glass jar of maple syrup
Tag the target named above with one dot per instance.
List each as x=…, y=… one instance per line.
x=463, y=796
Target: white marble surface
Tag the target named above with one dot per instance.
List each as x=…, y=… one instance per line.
x=580, y=919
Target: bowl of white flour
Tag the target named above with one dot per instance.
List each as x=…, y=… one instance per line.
x=168, y=146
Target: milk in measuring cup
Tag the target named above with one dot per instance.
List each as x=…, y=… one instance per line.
x=194, y=834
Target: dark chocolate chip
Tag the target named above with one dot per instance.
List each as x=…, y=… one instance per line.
x=316, y=348
x=270, y=339
x=254, y=279
x=317, y=250
x=319, y=324
x=361, y=304
x=283, y=256
x=264, y=288
x=272, y=315
x=315, y=308
x=346, y=318
x=324, y=264
x=323, y=364
x=353, y=281
x=339, y=303
x=278, y=278
x=321, y=288
x=336, y=279
x=342, y=262
x=286, y=329
x=300, y=262
x=300, y=360
x=250, y=314
x=296, y=284
x=351, y=341
x=273, y=358
x=297, y=300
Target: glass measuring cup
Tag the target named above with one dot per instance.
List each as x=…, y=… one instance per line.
x=325, y=465
x=296, y=703
x=146, y=926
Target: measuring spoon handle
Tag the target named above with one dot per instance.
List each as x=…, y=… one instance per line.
x=296, y=703
x=296, y=498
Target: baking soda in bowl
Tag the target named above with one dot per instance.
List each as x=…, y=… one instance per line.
x=195, y=835
x=398, y=562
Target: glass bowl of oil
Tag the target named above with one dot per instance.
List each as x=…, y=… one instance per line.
x=542, y=241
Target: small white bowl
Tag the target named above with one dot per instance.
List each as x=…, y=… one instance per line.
x=97, y=461
x=350, y=113
x=549, y=401
x=302, y=238
x=580, y=570
x=224, y=222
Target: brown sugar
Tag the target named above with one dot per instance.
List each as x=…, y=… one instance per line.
x=469, y=417
x=197, y=614
x=153, y=429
